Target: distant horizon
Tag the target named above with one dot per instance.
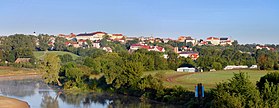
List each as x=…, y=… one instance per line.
x=247, y=21
x=174, y=38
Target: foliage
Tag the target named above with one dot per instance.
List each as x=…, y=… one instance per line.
x=237, y=93
x=50, y=67
x=270, y=77
x=65, y=58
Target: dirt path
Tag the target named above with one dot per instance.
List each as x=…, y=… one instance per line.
x=174, y=77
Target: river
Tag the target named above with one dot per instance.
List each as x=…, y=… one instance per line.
x=40, y=95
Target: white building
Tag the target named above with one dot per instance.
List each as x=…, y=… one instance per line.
x=235, y=67
x=213, y=40
x=91, y=36
x=186, y=69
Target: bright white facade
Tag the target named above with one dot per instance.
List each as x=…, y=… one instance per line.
x=186, y=69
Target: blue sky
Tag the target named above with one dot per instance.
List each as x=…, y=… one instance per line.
x=248, y=21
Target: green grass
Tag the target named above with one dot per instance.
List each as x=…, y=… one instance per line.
x=40, y=54
x=208, y=79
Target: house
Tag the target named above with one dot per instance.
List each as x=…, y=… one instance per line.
x=68, y=37
x=213, y=40
x=202, y=43
x=91, y=36
x=116, y=36
x=156, y=48
x=186, y=69
x=230, y=67
x=264, y=47
x=225, y=41
x=181, y=39
x=190, y=40
x=191, y=54
x=185, y=48
x=22, y=60
x=134, y=47
x=96, y=45
x=107, y=49
x=166, y=40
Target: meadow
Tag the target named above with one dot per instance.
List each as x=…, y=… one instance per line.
x=172, y=78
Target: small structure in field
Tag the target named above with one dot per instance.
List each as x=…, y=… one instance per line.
x=22, y=60
x=230, y=67
x=253, y=67
x=186, y=69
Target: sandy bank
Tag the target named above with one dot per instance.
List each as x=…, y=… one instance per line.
x=6, y=102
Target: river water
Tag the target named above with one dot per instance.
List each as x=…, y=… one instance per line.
x=40, y=95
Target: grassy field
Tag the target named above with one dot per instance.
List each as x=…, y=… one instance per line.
x=40, y=54
x=208, y=79
x=12, y=71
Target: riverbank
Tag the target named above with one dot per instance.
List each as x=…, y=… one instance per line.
x=13, y=73
x=6, y=102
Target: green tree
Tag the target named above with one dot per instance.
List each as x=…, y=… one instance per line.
x=65, y=58
x=43, y=42
x=239, y=92
x=59, y=44
x=217, y=65
x=50, y=67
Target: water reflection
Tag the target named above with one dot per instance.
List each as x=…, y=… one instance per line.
x=38, y=94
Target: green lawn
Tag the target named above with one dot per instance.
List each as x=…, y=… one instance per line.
x=40, y=54
x=208, y=79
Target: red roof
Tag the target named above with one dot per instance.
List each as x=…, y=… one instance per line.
x=212, y=38
x=117, y=35
x=81, y=40
x=99, y=33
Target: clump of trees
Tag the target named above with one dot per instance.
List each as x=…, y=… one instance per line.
x=240, y=92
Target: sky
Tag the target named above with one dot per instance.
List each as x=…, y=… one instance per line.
x=248, y=21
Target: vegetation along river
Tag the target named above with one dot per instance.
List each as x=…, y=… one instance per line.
x=40, y=95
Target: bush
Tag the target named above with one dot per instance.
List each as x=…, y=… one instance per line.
x=270, y=77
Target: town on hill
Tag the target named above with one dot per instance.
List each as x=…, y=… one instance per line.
x=161, y=69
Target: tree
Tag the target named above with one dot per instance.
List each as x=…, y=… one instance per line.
x=43, y=42
x=239, y=92
x=59, y=44
x=217, y=65
x=50, y=67
x=65, y=58
x=270, y=77
x=265, y=62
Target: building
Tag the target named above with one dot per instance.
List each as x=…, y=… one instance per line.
x=264, y=47
x=213, y=40
x=134, y=47
x=253, y=67
x=225, y=41
x=191, y=54
x=186, y=69
x=91, y=36
x=181, y=39
x=190, y=40
x=22, y=60
x=107, y=49
x=116, y=36
x=230, y=67
x=68, y=37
